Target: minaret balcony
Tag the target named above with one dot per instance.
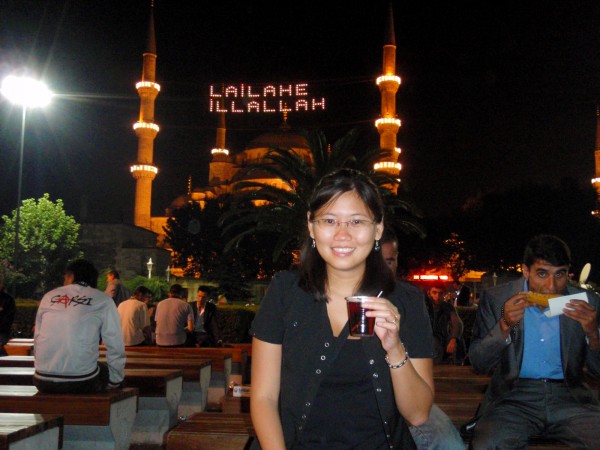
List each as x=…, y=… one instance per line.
x=222, y=151
x=148, y=85
x=143, y=171
x=388, y=121
x=596, y=182
x=388, y=166
x=393, y=80
x=150, y=127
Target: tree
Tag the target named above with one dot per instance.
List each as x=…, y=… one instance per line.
x=48, y=240
x=198, y=248
x=283, y=210
x=455, y=256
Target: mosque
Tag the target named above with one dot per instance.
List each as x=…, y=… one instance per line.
x=145, y=239
x=225, y=168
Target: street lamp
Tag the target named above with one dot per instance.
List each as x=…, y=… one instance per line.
x=149, y=265
x=27, y=93
x=168, y=273
x=495, y=278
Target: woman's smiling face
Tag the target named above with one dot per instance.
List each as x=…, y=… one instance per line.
x=344, y=246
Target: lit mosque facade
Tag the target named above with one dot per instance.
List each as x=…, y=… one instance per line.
x=226, y=168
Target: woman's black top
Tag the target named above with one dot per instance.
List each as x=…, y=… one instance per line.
x=290, y=317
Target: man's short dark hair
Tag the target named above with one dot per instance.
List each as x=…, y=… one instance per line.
x=548, y=248
x=437, y=285
x=176, y=291
x=83, y=271
x=204, y=288
x=114, y=273
x=388, y=235
x=141, y=291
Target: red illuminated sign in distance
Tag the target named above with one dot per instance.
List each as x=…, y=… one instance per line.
x=264, y=98
x=430, y=277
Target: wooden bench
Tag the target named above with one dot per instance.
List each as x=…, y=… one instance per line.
x=239, y=372
x=459, y=391
x=31, y=431
x=16, y=361
x=98, y=420
x=248, y=348
x=18, y=348
x=222, y=366
x=196, y=379
x=209, y=431
x=159, y=396
x=196, y=376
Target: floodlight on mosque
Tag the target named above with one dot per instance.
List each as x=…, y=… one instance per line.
x=595, y=180
x=222, y=151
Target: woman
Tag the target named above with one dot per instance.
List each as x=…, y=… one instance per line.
x=314, y=386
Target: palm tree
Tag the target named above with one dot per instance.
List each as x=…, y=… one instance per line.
x=283, y=214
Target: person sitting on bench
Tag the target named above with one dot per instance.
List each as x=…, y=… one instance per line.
x=69, y=324
x=537, y=359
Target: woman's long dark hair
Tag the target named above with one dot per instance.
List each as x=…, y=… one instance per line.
x=313, y=273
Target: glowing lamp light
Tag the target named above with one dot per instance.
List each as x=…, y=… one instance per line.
x=388, y=120
x=387, y=165
x=143, y=168
x=147, y=84
x=398, y=150
x=26, y=92
x=385, y=78
x=222, y=151
x=149, y=125
x=595, y=180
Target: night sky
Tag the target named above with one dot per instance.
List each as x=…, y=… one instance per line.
x=493, y=93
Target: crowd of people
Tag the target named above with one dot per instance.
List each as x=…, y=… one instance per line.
x=314, y=384
x=73, y=319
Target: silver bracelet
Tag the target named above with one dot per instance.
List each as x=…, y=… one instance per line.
x=400, y=364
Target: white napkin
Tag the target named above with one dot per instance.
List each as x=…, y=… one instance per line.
x=557, y=304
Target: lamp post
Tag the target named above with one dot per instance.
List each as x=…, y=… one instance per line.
x=149, y=265
x=168, y=273
x=495, y=278
x=27, y=93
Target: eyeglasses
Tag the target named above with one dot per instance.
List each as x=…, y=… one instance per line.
x=333, y=224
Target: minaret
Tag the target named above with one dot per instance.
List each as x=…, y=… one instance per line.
x=388, y=123
x=221, y=166
x=146, y=130
x=596, y=179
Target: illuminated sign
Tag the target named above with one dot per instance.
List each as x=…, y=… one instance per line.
x=264, y=98
x=431, y=277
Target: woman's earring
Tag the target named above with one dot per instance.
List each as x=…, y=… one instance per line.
x=314, y=244
x=377, y=247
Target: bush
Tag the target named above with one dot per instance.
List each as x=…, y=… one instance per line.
x=234, y=322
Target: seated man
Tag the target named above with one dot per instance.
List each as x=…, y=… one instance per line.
x=135, y=320
x=537, y=385
x=174, y=319
x=438, y=433
x=69, y=324
x=206, y=328
x=446, y=325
